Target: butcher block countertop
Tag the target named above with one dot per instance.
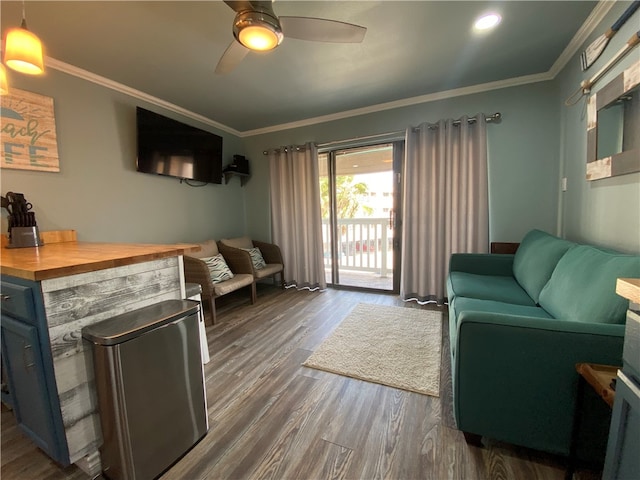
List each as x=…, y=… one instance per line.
x=53, y=260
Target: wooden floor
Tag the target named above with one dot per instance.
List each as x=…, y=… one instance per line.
x=272, y=418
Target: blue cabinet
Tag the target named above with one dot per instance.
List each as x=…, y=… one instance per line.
x=622, y=460
x=26, y=357
x=623, y=450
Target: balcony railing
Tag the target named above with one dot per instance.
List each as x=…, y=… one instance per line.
x=365, y=245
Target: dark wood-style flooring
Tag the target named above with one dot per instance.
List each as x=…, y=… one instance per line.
x=272, y=418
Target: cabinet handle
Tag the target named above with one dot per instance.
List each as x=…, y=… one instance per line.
x=27, y=347
x=5, y=297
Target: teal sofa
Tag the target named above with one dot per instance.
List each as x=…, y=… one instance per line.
x=519, y=323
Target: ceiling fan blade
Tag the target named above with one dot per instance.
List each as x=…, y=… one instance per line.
x=321, y=30
x=231, y=57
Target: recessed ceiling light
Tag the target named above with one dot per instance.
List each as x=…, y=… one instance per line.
x=488, y=21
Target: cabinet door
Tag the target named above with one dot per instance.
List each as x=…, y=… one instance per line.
x=622, y=461
x=27, y=383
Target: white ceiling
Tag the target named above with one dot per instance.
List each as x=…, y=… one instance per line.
x=169, y=50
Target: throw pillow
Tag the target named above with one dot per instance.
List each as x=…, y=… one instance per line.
x=256, y=258
x=218, y=268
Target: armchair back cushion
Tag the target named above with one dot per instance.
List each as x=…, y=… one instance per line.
x=582, y=287
x=208, y=249
x=535, y=260
x=239, y=242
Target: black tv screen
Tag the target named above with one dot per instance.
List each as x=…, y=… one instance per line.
x=169, y=147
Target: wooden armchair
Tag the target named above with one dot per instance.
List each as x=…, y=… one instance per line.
x=197, y=271
x=236, y=248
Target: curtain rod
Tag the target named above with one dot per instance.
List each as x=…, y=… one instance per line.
x=493, y=118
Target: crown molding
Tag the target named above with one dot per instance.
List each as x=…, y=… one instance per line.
x=132, y=92
x=589, y=25
x=593, y=20
x=406, y=102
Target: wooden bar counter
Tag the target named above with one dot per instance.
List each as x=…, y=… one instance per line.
x=49, y=293
x=58, y=259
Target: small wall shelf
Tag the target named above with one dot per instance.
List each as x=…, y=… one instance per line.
x=244, y=177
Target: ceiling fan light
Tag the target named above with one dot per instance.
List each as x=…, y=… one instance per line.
x=23, y=51
x=257, y=30
x=256, y=37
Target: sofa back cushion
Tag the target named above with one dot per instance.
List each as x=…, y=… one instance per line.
x=240, y=242
x=582, y=287
x=208, y=248
x=535, y=259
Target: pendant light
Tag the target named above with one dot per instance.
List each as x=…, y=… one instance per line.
x=23, y=49
x=4, y=84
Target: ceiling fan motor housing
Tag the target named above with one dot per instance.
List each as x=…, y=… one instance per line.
x=254, y=19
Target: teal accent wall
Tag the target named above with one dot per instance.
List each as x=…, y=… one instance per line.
x=523, y=154
x=604, y=212
x=98, y=192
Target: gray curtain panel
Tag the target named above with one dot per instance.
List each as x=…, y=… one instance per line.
x=445, y=203
x=295, y=214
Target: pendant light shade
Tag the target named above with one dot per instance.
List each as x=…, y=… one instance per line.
x=23, y=51
x=4, y=84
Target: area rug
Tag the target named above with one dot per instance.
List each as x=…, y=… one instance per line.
x=395, y=346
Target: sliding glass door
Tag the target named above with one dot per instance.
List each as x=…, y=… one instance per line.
x=360, y=198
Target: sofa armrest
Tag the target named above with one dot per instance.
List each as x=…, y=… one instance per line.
x=482, y=263
x=270, y=252
x=239, y=260
x=515, y=377
x=196, y=271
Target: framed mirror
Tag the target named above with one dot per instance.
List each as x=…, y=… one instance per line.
x=613, y=127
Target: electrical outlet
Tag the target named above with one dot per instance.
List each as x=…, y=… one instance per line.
x=564, y=184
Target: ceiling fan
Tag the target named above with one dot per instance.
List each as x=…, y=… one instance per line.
x=256, y=27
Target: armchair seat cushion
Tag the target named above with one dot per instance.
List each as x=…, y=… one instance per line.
x=500, y=288
x=268, y=270
x=238, y=281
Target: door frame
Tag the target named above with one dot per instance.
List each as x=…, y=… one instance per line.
x=398, y=146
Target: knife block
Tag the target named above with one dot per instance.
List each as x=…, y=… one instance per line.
x=20, y=237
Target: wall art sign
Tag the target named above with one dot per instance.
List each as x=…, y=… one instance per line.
x=28, y=138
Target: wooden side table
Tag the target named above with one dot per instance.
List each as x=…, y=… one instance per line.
x=600, y=378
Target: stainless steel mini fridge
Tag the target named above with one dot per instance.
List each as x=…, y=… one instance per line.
x=150, y=387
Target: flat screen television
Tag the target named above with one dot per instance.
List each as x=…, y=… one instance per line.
x=168, y=147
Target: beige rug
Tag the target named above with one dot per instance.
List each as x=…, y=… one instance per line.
x=394, y=346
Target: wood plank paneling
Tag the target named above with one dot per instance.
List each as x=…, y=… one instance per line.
x=76, y=301
x=270, y=417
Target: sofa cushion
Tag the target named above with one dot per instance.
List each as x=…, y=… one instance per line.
x=239, y=242
x=218, y=268
x=256, y=258
x=535, y=259
x=208, y=248
x=582, y=287
x=487, y=287
x=238, y=281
